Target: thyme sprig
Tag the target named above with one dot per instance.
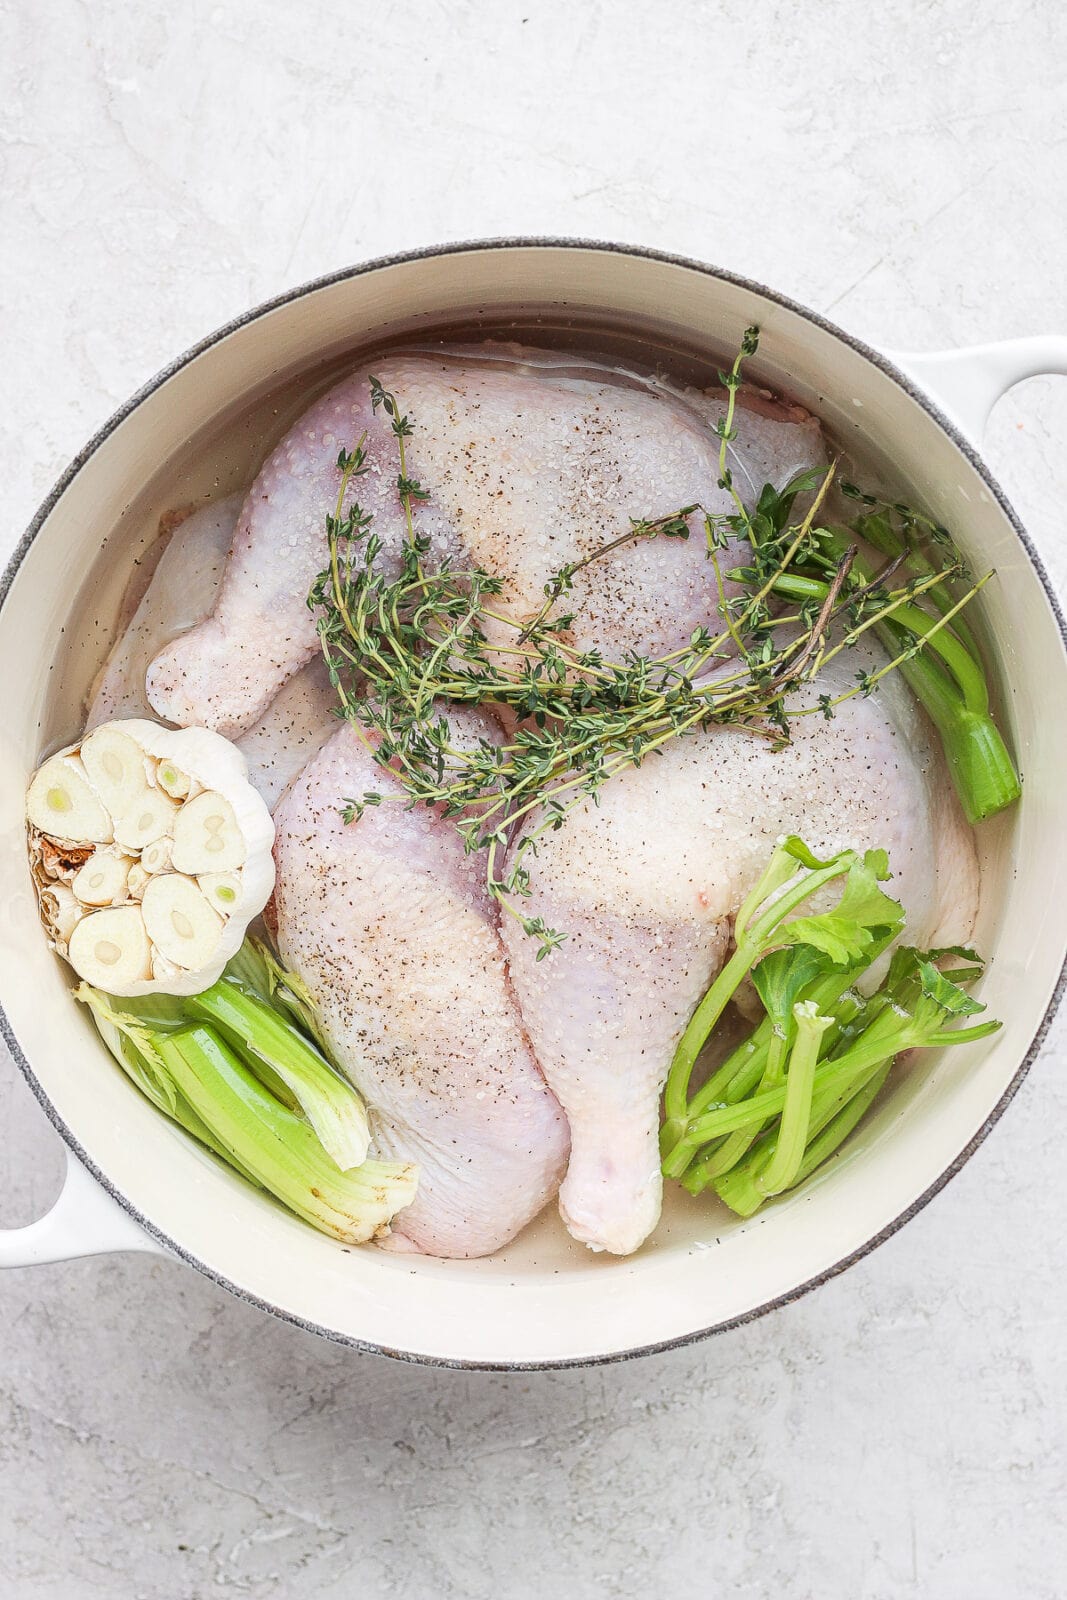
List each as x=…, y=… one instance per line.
x=405, y=639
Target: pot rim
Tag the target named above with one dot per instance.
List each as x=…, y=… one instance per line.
x=877, y=359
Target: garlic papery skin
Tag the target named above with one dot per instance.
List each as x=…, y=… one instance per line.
x=149, y=812
x=62, y=911
x=52, y=861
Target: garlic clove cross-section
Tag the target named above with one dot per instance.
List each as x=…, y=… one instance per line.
x=181, y=924
x=207, y=837
x=221, y=890
x=115, y=766
x=150, y=817
x=155, y=857
x=62, y=804
x=102, y=881
x=111, y=949
x=137, y=881
x=167, y=852
x=173, y=781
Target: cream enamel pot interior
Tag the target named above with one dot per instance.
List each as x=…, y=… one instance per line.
x=135, y=1182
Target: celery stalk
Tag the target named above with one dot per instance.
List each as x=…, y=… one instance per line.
x=232, y=1067
x=256, y=969
x=839, y=1072
x=838, y=1128
x=795, y=1088
x=278, y=1147
x=271, y=1045
x=878, y=532
x=750, y=945
x=742, y=1189
x=762, y=922
x=134, y=1050
x=796, y=1111
x=982, y=771
x=954, y=694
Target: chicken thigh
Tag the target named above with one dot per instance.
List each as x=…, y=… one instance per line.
x=645, y=884
x=391, y=927
x=530, y=465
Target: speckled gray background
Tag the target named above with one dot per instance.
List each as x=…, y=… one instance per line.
x=899, y=166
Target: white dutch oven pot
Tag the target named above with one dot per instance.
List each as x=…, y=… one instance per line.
x=135, y=1182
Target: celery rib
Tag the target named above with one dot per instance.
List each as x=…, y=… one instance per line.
x=792, y=1091
x=233, y=1069
x=957, y=702
x=272, y=1044
x=796, y=1109
x=278, y=1147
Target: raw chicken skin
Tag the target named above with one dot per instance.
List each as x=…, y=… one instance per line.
x=179, y=595
x=530, y=465
x=391, y=927
x=296, y=724
x=645, y=886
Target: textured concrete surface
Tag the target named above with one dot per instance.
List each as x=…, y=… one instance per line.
x=900, y=167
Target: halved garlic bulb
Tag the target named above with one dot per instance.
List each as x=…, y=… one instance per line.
x=160, y=833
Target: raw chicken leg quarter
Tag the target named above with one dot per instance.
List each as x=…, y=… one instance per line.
x=390, y=926
x=530, y=465
x=645, y=885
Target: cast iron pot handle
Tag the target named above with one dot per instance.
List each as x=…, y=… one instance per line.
x=968, y=383
x=85, y=1221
